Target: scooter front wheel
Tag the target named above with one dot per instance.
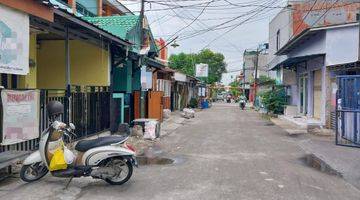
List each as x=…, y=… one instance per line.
x=33, y=172
x=123, y=170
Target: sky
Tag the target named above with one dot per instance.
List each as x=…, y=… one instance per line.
x=198, y=25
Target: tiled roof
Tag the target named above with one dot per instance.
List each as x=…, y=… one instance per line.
x=117, y=25
x=56, y=4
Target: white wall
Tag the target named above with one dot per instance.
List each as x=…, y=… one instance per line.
x=180, y=77
x=315, y=45
x=342, y=45
x=283, y=22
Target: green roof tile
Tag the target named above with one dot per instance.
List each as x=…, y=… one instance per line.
x=126, y=27
x=117, y=25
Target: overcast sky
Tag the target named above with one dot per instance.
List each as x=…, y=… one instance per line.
x=251, y=28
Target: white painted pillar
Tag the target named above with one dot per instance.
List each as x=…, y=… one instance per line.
x=323, y=92
x=310, y=94
x=298, y=82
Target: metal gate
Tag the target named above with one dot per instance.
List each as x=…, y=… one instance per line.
x=348, y=111
x=90, y=110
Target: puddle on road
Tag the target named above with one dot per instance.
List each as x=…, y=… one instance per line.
x=316, y=163
x=155, y=156
x=269, y=124
x=160, y=160
x=143, y=160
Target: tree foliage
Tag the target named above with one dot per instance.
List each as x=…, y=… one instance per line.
x=274, y=100
x=265, y=80
x=235, y=88
x=185, y=63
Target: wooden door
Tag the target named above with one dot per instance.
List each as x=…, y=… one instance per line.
x=155, y=105
x=317, y=94
x=136, y=105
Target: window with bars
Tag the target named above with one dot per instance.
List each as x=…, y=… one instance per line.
x=277, y=40
x=9, y=81
x=82, y=10
x=164, y=86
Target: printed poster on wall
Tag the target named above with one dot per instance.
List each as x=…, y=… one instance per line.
x=20, y=116
x=14, y=41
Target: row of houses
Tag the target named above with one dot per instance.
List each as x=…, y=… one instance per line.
x=95, y=56
x=313, y=52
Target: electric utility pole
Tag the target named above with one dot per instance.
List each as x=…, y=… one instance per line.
x=256, y=73
x=141, y=60
x=142, y=16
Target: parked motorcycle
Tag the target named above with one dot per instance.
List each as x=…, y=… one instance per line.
x=108, y=158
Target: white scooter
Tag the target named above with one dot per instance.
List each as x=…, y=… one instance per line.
x=108, y=158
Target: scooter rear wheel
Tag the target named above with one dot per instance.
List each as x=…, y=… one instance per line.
x=124, y=169
x=34, y=172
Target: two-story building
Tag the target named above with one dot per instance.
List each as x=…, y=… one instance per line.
x=49, y=52
x=307, y=41
x=253, y=60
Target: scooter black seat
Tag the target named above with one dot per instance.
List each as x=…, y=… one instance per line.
x=85, y=145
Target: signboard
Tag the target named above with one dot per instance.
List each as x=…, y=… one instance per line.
x=14, y=41
x=202, y=70
x=20, y=116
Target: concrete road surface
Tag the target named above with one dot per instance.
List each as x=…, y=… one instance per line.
x=224, y=153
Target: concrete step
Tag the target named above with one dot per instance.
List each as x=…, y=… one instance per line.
x=294, y=132
x=291, y=128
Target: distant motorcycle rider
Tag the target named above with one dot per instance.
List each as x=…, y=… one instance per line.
x=242, y=101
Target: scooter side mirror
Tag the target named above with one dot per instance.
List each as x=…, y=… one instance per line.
x=72, y=126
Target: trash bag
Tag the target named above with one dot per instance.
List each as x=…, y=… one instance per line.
x=69, y=156
x=58, y=161
x=188, y=113
x=150, y=130
x=167, y=113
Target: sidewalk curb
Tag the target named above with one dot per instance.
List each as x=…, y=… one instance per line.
x=315, y=161
x=289, y=127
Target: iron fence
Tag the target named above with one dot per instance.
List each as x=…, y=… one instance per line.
x=90, y=112
x=348, y=111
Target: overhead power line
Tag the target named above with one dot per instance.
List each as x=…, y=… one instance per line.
x=228, y=31
x=197, y=17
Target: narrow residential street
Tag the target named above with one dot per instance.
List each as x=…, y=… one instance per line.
x=223, y=153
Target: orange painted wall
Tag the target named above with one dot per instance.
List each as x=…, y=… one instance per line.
x=32, y=7
x=342, y=12
x=163, y=54
x=167, y=102
x=137, y=109
x=155, y=109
